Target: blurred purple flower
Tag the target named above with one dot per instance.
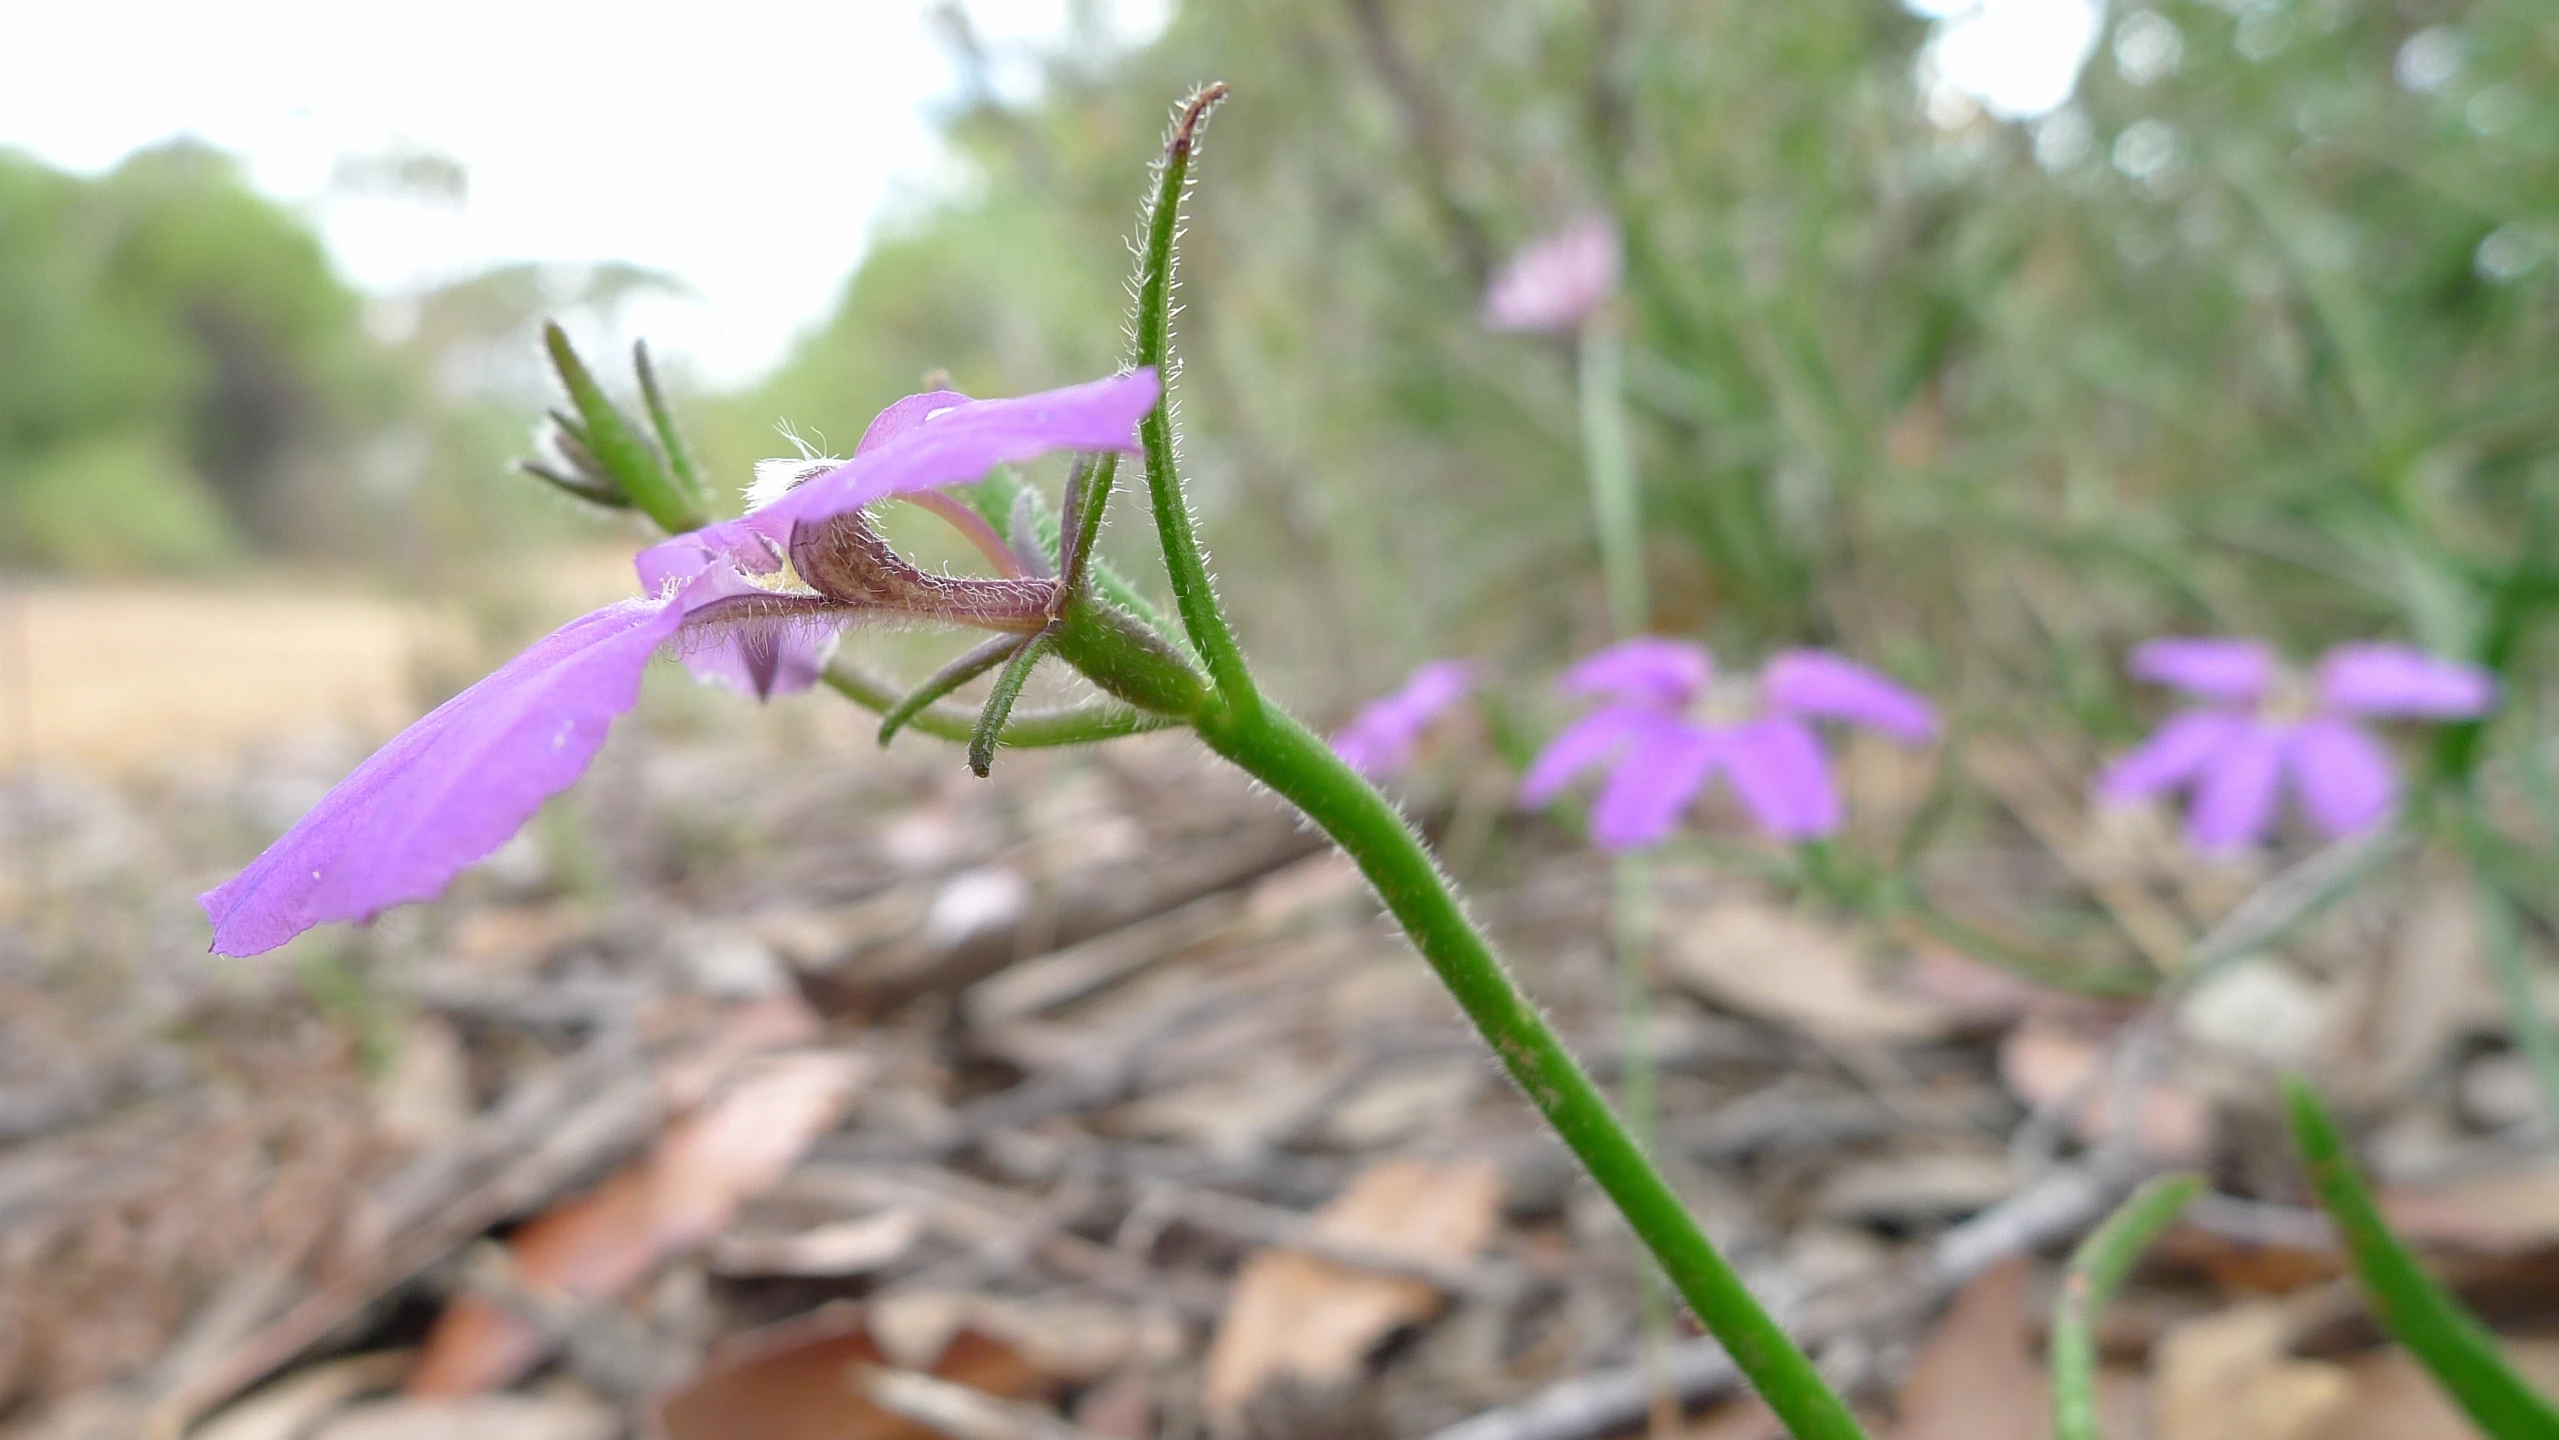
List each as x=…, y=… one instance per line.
x=1659, y=757
x=455, y=785
x=2260, y=725
x=1558, y=282
x=1380, y=739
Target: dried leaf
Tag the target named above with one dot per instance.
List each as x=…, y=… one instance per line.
x=1758, y=960
x=1295, y=1316
x=1976, y=1378
x=2229, y=1376
x=790, y=1382
x=673, y=1200
x=2045, y=1062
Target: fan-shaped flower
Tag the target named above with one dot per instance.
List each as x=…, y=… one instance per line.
x=454, y=786
x=1381, y=738
x=2261, y=724
x=1659, y=756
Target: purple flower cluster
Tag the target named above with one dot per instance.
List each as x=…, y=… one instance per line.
x=1380, y=740
x=1659, y=756
x=2259, y=727
x=454, y=786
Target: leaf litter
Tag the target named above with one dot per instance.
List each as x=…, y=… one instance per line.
x=880, y=1101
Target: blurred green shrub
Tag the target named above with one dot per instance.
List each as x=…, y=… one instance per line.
x=2258, y=334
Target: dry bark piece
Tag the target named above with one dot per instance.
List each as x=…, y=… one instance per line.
x=792, y=1381
x=843, y=1247
x=598, y=1245
x=292, y=1407
x=1753, y=958
x=1297, y=1317
x=1976, y=1378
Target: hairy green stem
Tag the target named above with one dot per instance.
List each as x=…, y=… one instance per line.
x=1272, y=747
x=2097, y=1271
x=1184, y=563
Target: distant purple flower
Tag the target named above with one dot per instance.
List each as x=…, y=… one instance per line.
x=1659, y=756
x=2259, y=725
x=453, y=787
x=1380, y=739
x=1558, y=282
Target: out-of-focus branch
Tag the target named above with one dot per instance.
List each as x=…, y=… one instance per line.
x=1432, y=146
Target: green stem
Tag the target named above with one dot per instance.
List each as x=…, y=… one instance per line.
x=1608, y=461
x=1641, y=1086
x=1272, y=747
x=2448, y=1340
x=1184, y=563
x=2097, y=1271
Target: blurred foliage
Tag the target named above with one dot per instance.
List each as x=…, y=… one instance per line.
x=2256, y=335
x=184, y=381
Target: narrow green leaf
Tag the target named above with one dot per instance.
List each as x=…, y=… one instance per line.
x=619, y=447
x=662, y=420
x=2448, y=1340
x=999, y=702
x=591, y=493
x=968, y=666
x=2097, y=1271
x=1084, y=724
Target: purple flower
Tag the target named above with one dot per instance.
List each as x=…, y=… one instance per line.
x=2259, y=725
x=1379, y=740
x=453, y=787
x=1558, y=282
x=1659, y=756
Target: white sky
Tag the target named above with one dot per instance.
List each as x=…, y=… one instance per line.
x=744, y=145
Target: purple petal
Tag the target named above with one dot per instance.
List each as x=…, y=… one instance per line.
x=2235, y=670
x=2171, y=757
x=2235, y=800
x=1832, y=687
x=2345, y=779
x=1778, y=769
x=1380, y=739
x=906, y=414
x=449, y=789
x=2371, y=679
x=776, y=652
x=1584, y=743
x=1666, y=763
x=1558, y=282
x=1647, y=668
x=920, y=444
